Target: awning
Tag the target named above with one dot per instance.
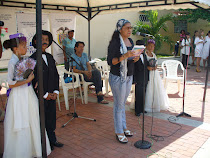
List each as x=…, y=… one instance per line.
x=108, y=6
x=86, y=8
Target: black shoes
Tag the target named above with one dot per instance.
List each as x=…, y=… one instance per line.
x=52, y=147
x=139, y=114
x=56, y=144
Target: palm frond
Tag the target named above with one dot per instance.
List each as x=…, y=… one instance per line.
x=162, y=22
x=154, y=27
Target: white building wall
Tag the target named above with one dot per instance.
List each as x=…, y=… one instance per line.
x=102, y=28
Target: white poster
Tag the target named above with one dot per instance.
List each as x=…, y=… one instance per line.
x=9, y=28
x=26, y=24
x=60, y=25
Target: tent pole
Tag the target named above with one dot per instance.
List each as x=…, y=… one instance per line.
x=207, y=10
x=89, y=18
x=40, y=74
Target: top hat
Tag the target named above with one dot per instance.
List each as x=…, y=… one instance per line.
x=44, y=32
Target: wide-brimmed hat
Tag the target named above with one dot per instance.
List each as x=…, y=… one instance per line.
x=44, y=32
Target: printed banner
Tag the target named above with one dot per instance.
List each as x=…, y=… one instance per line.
x=8, y=28
x=26, y=24
x=60, y=25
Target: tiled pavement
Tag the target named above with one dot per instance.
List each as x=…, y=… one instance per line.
x=84, y=138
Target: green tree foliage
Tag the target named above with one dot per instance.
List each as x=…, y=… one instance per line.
x=156, y=24
x=192, y=15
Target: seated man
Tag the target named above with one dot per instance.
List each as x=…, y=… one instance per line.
x=83, y=66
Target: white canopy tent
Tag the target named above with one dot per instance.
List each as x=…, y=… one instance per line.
x=106, y=4
x=90, y=8
x=87, y=8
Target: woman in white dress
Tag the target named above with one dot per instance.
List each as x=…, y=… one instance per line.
x=198, y=49
x=21, y=125
x=156, y=98
x=206, y=48
x=193, y=47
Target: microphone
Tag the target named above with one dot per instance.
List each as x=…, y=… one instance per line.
x=144, y=34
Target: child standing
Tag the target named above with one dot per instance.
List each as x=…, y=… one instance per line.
x=185, y=51
x=21, y=125
x=156, y=98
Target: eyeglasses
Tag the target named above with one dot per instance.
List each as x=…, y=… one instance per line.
x=128, y=28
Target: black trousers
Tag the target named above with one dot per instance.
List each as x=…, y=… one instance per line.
x=66, y=63
x=50, y=119
x=139, y=97
x=96, y=79
x=184, y=60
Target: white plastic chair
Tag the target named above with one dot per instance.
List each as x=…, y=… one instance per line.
x=170, y=72
x=3, y=83
x=103, y=67
x=132, y=104
x=60, y=69
x=95, y=60
x=67, y=86
x=3, y=80
x=85, y=87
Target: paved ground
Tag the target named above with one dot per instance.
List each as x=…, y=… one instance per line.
x=189, y=138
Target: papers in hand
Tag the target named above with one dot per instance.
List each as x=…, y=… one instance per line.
x=138, y=49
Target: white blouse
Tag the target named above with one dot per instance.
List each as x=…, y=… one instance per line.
x=186, y=49
x=11, y=66
x=199, y=46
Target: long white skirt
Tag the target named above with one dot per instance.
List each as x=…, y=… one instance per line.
x=156, y=97
x=24, y=142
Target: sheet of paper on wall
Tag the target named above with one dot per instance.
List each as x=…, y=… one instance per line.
x=138, y=49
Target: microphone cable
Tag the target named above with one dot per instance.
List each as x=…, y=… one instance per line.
x=167, y=155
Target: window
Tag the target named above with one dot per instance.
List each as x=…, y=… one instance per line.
x=143, y=18
x=180, y=25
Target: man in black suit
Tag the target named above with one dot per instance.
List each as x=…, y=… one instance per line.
x=50, y=86
x=140, y=84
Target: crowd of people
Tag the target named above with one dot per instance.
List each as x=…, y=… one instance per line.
x=21, y=124
x=197, y=47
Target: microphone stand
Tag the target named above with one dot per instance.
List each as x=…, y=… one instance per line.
x=185, y=77
x=142, y=144
x=74, y=114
